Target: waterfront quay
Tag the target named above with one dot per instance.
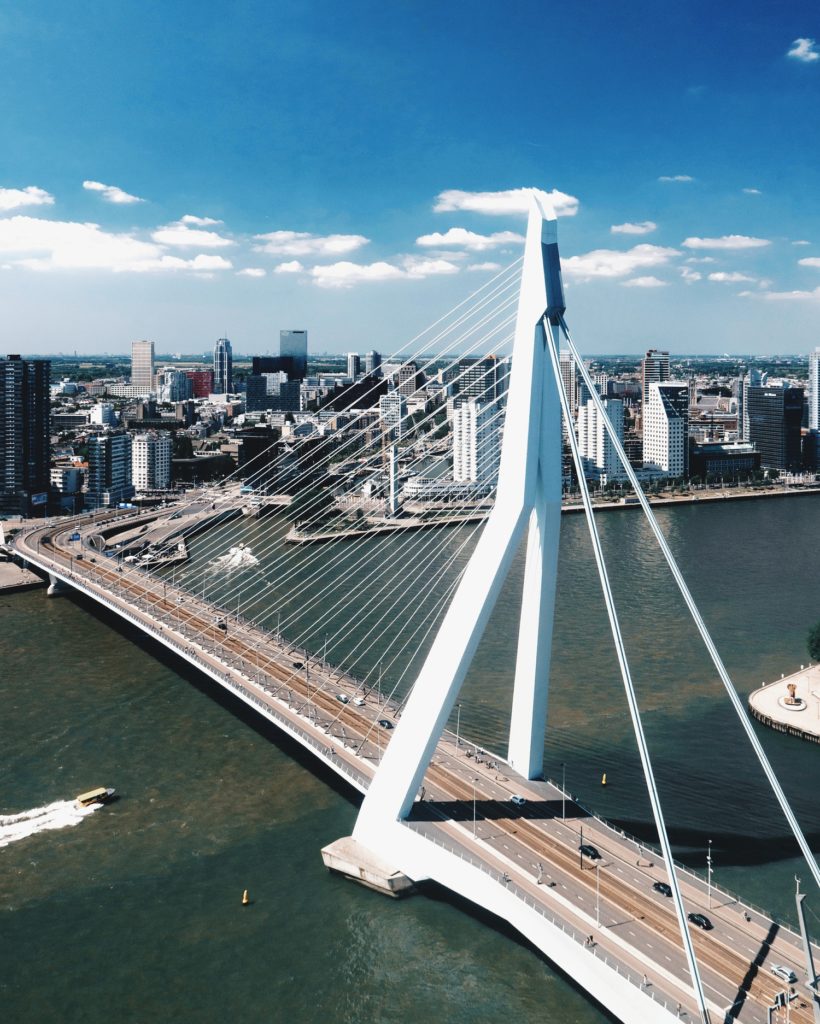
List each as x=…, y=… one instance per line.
x=793, y=711
x=599, y=920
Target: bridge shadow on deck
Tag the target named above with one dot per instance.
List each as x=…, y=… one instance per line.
x=492, y=810
x=750, y=975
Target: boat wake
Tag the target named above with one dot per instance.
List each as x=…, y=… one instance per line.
x=60, y=814
x=235, y=560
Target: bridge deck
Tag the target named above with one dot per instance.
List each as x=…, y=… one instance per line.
x=530, y=851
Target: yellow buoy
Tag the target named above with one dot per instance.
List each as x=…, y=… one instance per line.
x=245, y=899
x=603, y=779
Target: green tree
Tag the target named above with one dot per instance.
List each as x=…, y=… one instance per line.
x=310, y=503
x=813, y=642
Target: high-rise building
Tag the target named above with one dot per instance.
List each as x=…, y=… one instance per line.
x=775, y=420
x=372, y=363
x=353, y=365
x=151, y=461
x=485, y=379
x=476, y=443
x=294, y=346
x=407, y=379
x=142, y=366
x=202, y=382
x=393, y=414
x=654, y=370
x=109, y=469
x=24, y=434
x=814, y=390
x=174, y=385
x=750, y=379
x=223, y=367
x=596, y=446
x=666, y=428
x=569, y=376
x=102, y=414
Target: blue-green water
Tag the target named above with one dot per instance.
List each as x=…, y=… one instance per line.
x=134, y=914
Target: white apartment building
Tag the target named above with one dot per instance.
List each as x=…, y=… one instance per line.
x=814, y=390
x=597, y=450
x=666, y=429
x=393, y=414
x=151, y=461
x=102, y=414
x=476, y=443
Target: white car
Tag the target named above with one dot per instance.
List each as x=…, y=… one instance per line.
x=784, y=973
x=519, y=801
x=359, y=702
x=343, y=698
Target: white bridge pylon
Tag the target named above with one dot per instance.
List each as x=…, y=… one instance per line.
x=529, y=493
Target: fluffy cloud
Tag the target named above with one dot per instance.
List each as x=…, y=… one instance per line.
x=484, y=266
x=676, y=177
x=465, y=239
x=810, y=261
x=510, y=202
x=689, y=275
x=110, y=193
x=726, y=242
x=13, y=198
x=645, y=227
x=291, y=267
x=202, y=222
x=795, y=296
x=752, y=191
x=615, y=263
x=303, y=243
x=251, y=272
x=729, y=277
x=346, y=274
x=70, y=245
x=644, y=282
x=804, y=50
x=181, y=235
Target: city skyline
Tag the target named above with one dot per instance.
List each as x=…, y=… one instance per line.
x=262, y=198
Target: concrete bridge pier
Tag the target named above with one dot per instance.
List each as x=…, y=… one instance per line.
x=350, y=858
x=56, y=586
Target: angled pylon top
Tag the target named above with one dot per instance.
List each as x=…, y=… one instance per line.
x=556, y=306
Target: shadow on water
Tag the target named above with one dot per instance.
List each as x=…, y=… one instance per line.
x=236, y=707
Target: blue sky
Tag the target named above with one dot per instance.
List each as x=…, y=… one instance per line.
x=181, y=170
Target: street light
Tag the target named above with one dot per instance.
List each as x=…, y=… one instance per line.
x=563, y=791
x=597, y=894
x=709, y=873
x=458, y=727
x=475, y=780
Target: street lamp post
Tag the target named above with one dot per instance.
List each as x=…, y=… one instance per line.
x=458, y=727
x=475, y=780
x=563, y=791
x=709, y=873
x=597, y=894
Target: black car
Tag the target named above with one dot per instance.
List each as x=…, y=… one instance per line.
x=701, y=920
x=662, y=888
x=298, y=664
x=589, y=851
x=385, y=723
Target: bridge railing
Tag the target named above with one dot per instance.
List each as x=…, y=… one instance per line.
x=636, y=978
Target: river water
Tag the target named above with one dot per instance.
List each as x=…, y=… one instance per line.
x=132, y=913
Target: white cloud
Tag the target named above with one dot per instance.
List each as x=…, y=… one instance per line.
x=676, y=177
x=346, y=274
x=181, y=235
x=801, y=241
x=701, y=259
x=69, y=245
x=110, y=193
x=12, y=198
x=644, y=227
x=615, y=263
x=794, y=296
x=303, y=243
x=690, y=275
x=752, y=191
x=729, y=277
x=291, y=267
x=810, y=261
x=251, y=272
x=726, y=242
x=470, y=239
x=202, y=222
x=804, y=50
x=509, y=202
x=484, y=266
x=644, y=282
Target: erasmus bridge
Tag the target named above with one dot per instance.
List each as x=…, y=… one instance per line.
x=626, y=923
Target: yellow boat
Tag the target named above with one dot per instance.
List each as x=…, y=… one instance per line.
x=95, y=796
